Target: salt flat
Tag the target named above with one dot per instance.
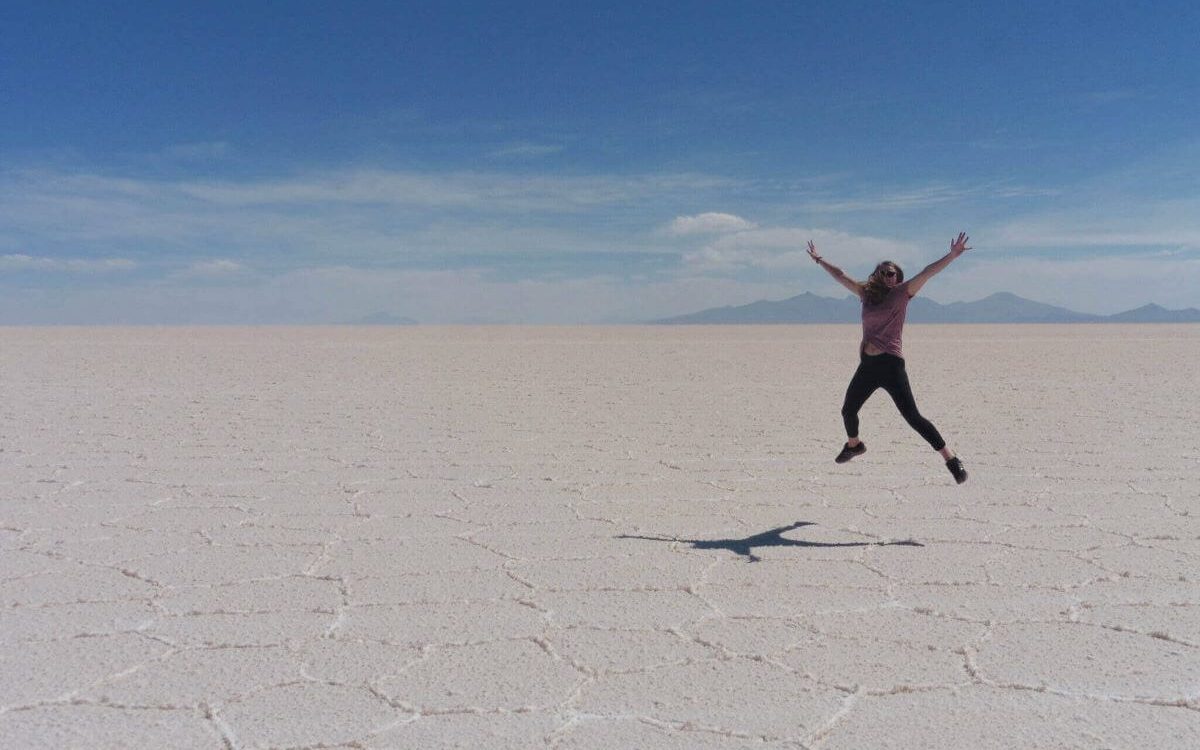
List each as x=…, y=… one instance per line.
x=594, y=538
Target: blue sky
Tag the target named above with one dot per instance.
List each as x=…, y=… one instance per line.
x=586, y=162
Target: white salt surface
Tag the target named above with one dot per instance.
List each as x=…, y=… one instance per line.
x=594, y=538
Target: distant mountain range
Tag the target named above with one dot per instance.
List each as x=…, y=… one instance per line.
x=380, y=319
x=1001, y=307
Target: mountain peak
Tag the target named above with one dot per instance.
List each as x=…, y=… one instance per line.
x=1153, y=313
x=382, y=319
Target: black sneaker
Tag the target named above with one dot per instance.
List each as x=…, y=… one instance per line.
x=956, y=468
x=849, y=453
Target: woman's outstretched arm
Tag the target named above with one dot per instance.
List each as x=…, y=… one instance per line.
x=957, y=248
x=834, y=271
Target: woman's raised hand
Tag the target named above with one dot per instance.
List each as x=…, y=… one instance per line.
x=958, y=246
x=812, y=252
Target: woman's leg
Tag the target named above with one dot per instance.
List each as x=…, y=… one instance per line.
x=862, y=385
x=898, y=388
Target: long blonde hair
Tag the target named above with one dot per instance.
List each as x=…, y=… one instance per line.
x=875, y=290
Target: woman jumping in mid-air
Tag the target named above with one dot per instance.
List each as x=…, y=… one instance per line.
x=885, y=299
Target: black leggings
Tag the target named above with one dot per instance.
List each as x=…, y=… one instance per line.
x=886, y=371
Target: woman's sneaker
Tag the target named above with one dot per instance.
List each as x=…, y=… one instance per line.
x=849, y=453
x=956, y=468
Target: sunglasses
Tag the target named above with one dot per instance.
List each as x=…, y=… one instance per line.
x=889, y=274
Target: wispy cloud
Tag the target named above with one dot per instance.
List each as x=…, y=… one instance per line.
x=347, y=216
x=198, y=151
x=322, y=245
x=708, y=223
x=1109, y=221
x=776, y=248
x=1109, y=96
x=19, y=262
x=217, y=268
x=908, y=198
x=526, y=150
x=483, y=191
x=73, y=204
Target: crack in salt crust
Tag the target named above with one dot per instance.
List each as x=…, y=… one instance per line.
x=563, y=538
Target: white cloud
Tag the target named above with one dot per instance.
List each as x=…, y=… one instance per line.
x=1174, y=223
x=478, y=190
x=19, y=262
x=525, y=150
x=335, y=222
x=331, y=216
x=198, y=151
x=708, y=223
x=786, y=248
x=903, y=199
x=1111, y=96
x=215, y=268
x=1150, y=203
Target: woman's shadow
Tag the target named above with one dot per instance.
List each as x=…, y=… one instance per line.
x=772, y=538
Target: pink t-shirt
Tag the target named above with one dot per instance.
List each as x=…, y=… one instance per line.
x=883, y=323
